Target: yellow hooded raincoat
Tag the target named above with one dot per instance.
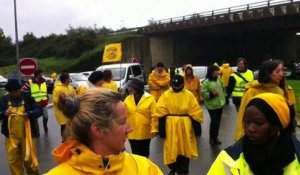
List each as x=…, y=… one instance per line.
x=180, y=137
x=61, y=90
x=158, y=83
x=193, y=84
x=225, y=72
x=141, y=117
x=76, y=159
x=254, y=89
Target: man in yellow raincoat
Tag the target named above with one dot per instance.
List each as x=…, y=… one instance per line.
x=179, y=107
x=19, y=113
x=158, y=81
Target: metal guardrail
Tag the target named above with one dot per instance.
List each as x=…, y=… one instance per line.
x=217, y=12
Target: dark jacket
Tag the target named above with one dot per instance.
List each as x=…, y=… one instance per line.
x=31, y=107
x=236, y=149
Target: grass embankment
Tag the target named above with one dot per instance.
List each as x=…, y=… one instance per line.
x=295, y=84
x=88, y=60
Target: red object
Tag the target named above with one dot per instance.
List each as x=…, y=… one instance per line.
x=28, y=66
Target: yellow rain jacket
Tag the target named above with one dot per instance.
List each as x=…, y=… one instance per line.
x=194, y=85
x=158, y=83
x=84, y=87
x=141, y=117
x=231, y=161
x=254, y=89
x=59, y=90
x=76, y=159
x=180, y=137
x=112, y=85
x=225, y=71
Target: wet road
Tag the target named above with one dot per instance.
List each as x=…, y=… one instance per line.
x=200, y=166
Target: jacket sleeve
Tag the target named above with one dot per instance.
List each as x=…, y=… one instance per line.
x=56, y=94
x=154, y=169
x=152, y=85
x=26, y=86
x=35, y=110
x=154, y=120
x=3, y=107
x=205, y=90
x=248, y=95
x=218, y=166
x=230, y=86
x=161, y=109
x=165, y=81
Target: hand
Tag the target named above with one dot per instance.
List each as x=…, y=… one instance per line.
x=8, y=112
x=25, y=116
x=215, y=93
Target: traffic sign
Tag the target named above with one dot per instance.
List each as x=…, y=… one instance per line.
x=27, y=66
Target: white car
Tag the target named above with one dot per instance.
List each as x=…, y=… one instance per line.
x=123, y=72
x=199, y=71
x=3, y=81
x=77, y=79
x=287, y=73
x=86, y=73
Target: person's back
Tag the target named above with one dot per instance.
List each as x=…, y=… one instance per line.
x=225, y=72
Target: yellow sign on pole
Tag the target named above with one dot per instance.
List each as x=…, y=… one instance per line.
x=112, y=53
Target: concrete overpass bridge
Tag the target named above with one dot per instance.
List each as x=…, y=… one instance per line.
x=255, y=31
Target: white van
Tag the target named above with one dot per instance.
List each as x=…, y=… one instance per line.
x=122, y=73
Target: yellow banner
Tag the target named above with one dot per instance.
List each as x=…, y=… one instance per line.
x=112, y=53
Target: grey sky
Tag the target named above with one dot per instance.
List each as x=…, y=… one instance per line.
x=43, y=17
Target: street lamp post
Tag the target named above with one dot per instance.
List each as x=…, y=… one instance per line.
x=16, y=33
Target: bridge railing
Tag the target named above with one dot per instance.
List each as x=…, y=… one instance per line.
x=223, y=11
x=234, y=9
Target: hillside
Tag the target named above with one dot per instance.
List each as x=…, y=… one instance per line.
x=86, y=60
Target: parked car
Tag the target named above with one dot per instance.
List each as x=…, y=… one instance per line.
x=287, y=73
x=86, y=73
x=3, y=81
x=77, y=79
x=295, y=70
x=122, y=73
x=201, y=71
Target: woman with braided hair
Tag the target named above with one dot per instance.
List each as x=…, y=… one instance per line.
x=97, y=132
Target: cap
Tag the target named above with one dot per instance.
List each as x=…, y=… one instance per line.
x=177, y=80
x=13, y=85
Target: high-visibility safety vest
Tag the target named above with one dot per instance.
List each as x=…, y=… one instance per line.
x=38, y=93
x=240, y=84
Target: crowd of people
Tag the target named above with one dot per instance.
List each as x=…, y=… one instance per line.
x=95, y=121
